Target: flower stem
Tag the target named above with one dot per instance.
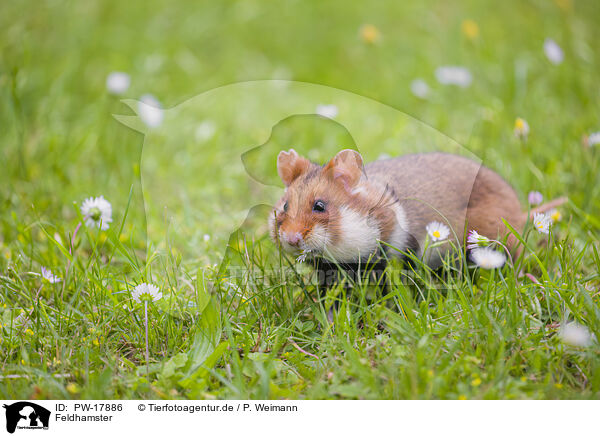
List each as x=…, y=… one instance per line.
x=71, y=244
x=74, y=236
x=509, y=257
x=146, y=325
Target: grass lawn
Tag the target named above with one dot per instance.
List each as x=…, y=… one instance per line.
x=469, y=334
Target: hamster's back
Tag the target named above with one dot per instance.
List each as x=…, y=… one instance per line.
x=450, y=189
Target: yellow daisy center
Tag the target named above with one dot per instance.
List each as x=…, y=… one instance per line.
x=470, y=29
x=485, y=263
x=370, y=33
x=436, y=234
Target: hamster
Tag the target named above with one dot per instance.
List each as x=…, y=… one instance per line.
x=340, y=211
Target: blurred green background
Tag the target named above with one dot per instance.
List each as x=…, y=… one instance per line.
x=56, y=114
x=59, y=144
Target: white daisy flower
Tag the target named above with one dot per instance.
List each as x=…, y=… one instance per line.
x=146, y=292
x=454, y=75
x=150, y=111
x=327, y=110
x=488, y=258
x=206, y=238
x=437, y=231
x=555, y=215
x=475, y=240
x=205, y=131
x=542, y=222
x=97, y=212
x=592, y=139
x=575, y=334
x=47, y=275
x=118, y=82
x=521, y=128
x=553, y=51
x=535, y=198
x=419, y=88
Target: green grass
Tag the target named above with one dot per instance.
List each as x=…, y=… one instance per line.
x=480, y=334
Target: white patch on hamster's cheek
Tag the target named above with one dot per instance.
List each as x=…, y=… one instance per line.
x=318, y=239
x=399, y=236
x=358, y=239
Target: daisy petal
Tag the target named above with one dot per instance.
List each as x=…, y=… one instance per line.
x=437, y=231
x=146, y=292
x=488, y=258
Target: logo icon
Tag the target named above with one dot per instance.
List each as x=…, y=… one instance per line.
x=26, y=415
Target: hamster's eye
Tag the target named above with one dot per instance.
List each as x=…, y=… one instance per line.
x=285, y=206
x=319, y=206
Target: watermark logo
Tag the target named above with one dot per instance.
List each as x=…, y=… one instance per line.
x=24, y=415
x=208, y=166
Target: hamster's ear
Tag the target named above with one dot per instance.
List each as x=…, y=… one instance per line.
x=290, y=166
x=346, y=167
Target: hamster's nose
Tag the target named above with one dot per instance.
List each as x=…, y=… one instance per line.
x=292, y=238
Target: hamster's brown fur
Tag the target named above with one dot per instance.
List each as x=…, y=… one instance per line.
x=389, y=200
